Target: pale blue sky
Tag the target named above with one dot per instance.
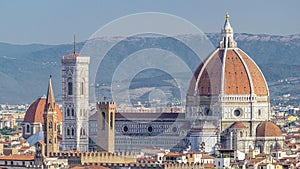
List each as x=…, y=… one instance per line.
x=55, y=21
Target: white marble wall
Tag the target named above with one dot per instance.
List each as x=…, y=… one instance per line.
x=75, y=105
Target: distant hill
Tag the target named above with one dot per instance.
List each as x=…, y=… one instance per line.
x=25, y=69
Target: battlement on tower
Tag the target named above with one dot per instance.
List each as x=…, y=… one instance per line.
x=153, y=165
x=97, y=157
x=104, y=105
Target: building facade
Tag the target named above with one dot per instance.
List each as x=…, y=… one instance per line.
x=135, y=131
x=228, y=99
x=75, y=100
x=228, y=91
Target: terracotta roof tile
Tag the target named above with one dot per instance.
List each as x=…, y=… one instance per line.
x=73, y=55
x=263, y=155
x=260, y=86
x=173, y=154
x=207, y=156
x=238, y=125
x=239, y=67
x=236, y=79
x=17, y=157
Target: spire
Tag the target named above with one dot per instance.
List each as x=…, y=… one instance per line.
x=227, y=35
x=227, y=25
x=74, y=45
x=50, y=101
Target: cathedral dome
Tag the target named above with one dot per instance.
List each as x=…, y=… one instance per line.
x=36, y=110
x=268, y=129
x=228, y=70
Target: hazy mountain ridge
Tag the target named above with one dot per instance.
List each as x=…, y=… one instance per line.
x=25, y=69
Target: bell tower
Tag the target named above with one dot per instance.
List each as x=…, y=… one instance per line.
x=50, y=122
x=75, y=101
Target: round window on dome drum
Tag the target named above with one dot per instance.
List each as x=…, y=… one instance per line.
x=237, y=112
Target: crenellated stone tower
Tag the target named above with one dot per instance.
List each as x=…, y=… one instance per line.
x=106, y=126
x=75, y=98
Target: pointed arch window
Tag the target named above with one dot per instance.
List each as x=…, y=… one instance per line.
x=111, y=119
x=82, y=132
x=73, y=132
x=103, y=120
x=50, y=125
x=70, y=86
x=28, y=128
x=58, y=129
x=259, y=112
x=68, y=132
x=81, y=88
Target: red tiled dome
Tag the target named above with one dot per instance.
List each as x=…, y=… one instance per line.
x=228, y=70
x=232, y=71
x=36, y=110
x=268, y=129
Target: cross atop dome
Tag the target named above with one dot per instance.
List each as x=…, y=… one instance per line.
x=227, y=35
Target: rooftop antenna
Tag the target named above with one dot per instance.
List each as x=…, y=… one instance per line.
x=74, y=45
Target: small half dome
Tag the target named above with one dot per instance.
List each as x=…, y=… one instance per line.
x=268, y=129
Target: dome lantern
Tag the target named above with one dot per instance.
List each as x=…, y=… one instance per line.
x=227, y=35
